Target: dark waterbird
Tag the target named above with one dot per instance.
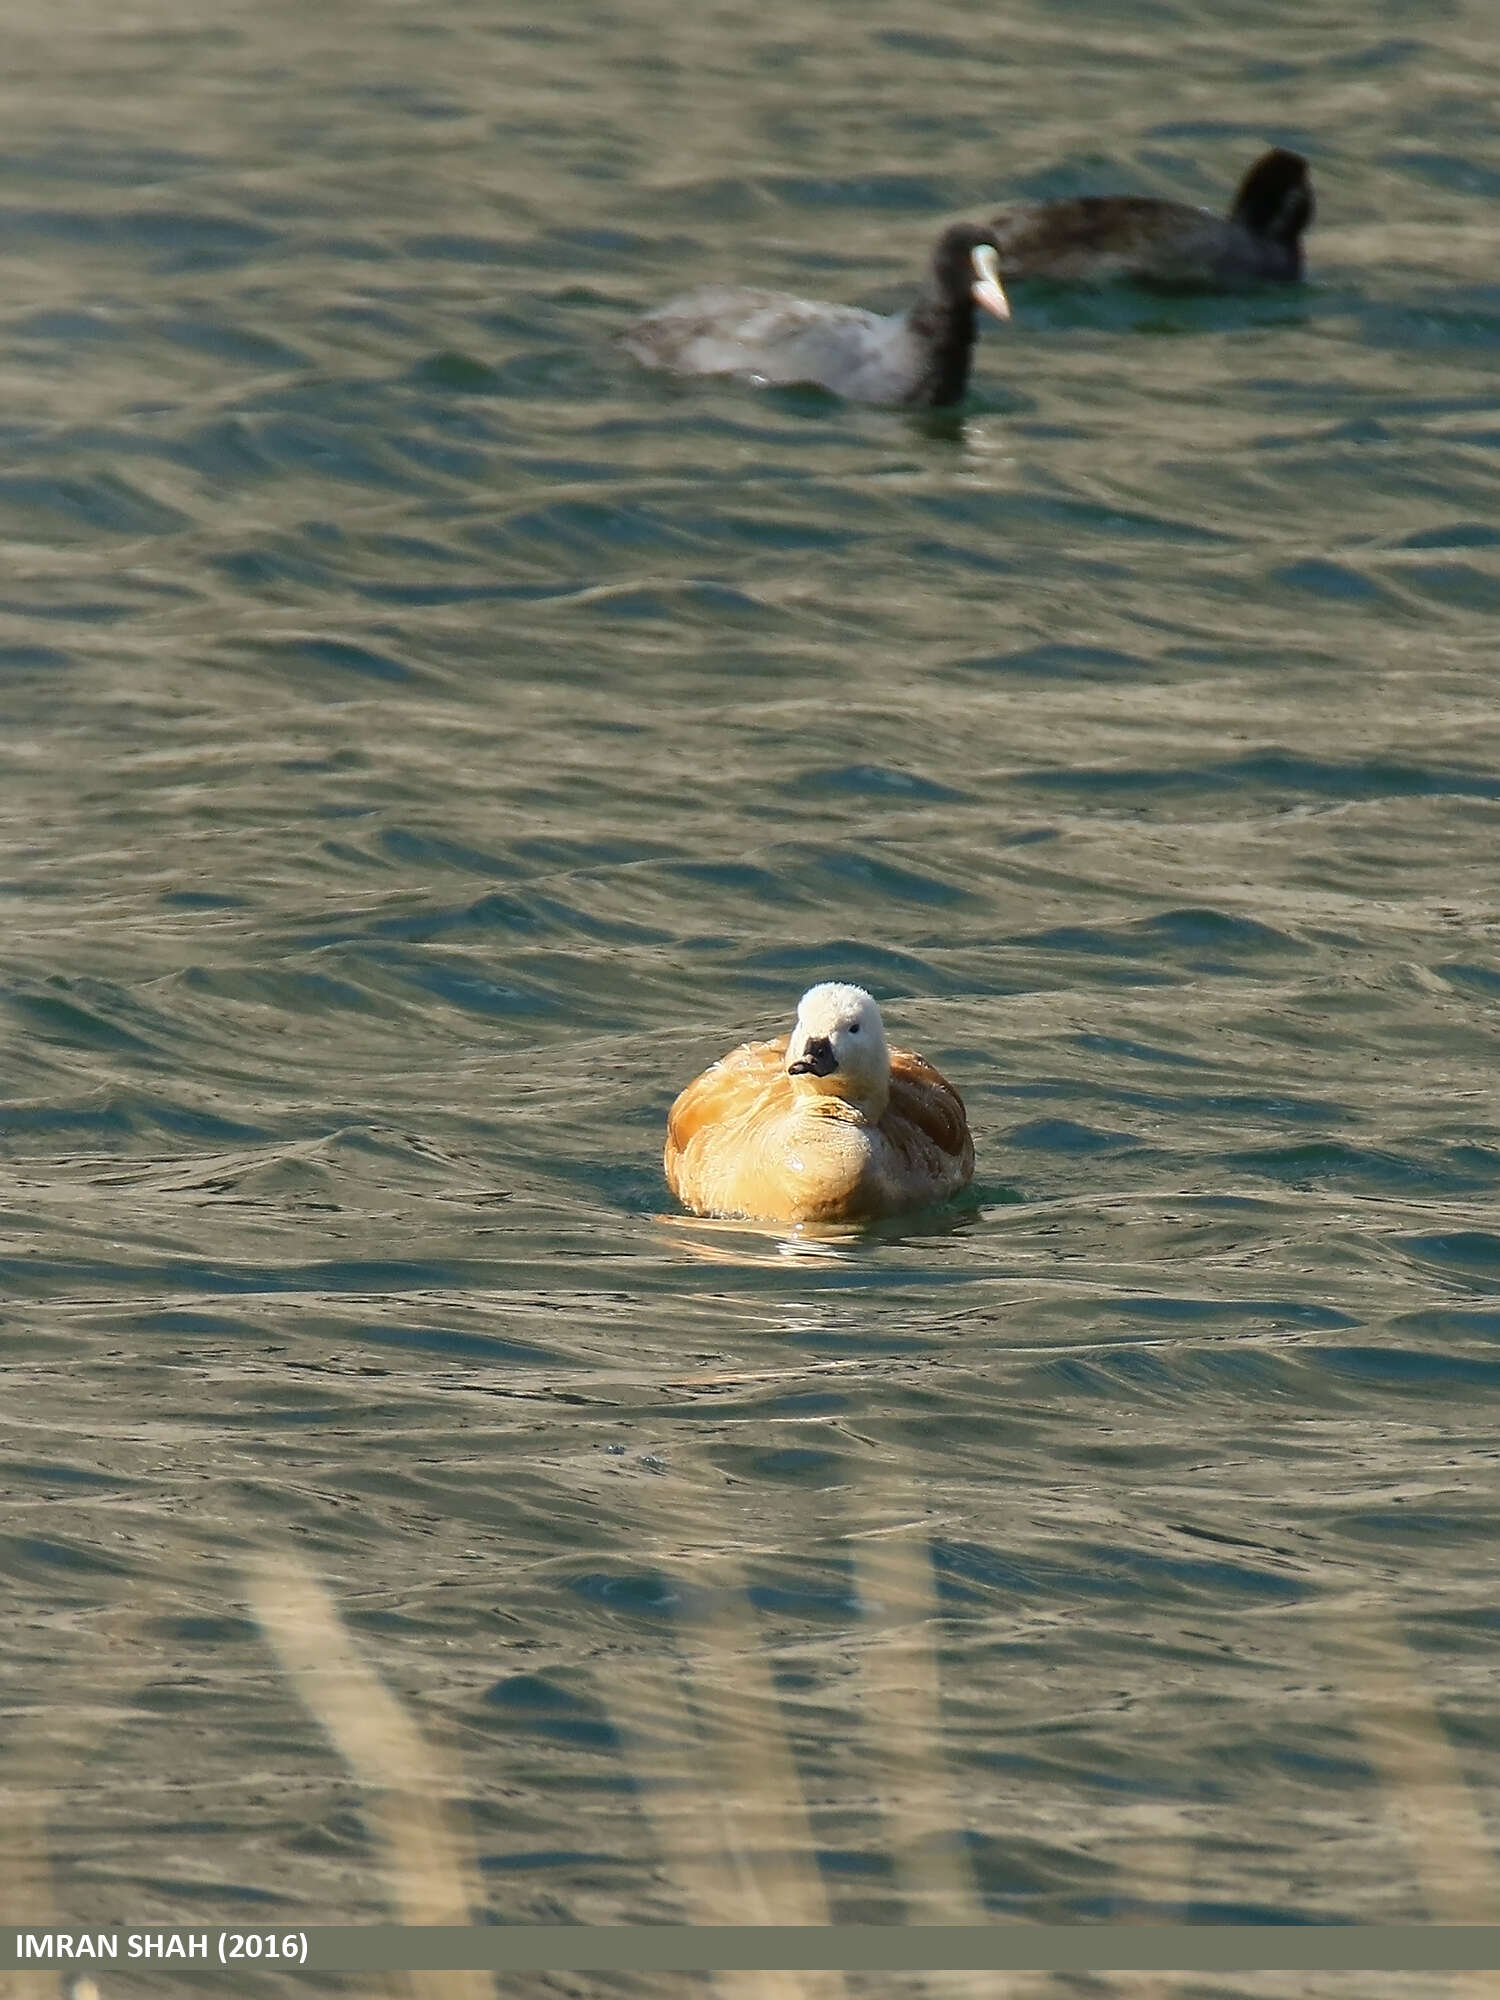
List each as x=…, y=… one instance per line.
x=919, y=357
x=1095, y=238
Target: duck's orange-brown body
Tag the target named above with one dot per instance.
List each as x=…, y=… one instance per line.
x=744, y=1139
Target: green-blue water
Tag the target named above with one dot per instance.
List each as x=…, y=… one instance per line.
x=428, y=741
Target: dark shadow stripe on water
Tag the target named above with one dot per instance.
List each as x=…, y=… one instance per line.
x=1274, y=771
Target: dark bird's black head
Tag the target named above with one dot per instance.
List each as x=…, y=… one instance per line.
x=965, y=274
x=966, y=268
x=1275, y=203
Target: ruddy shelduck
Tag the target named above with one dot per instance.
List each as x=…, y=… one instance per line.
x=826, y=1124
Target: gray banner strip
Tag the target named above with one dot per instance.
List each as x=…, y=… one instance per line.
x=734, y=1948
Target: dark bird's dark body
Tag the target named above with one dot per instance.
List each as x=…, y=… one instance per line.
x=1094, y=239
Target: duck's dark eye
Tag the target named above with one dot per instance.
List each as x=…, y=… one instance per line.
x=854, y=1027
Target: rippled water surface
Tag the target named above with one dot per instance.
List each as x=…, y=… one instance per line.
x=429, y=741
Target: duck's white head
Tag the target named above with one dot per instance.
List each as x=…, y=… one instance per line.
x=838, y=1048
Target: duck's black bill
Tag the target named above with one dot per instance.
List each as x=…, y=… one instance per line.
x=817, y=1059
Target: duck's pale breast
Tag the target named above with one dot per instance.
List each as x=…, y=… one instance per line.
x=742, y=1140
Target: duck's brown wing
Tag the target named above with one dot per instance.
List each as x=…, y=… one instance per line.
x=924, y=1097
x=726, y=1090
